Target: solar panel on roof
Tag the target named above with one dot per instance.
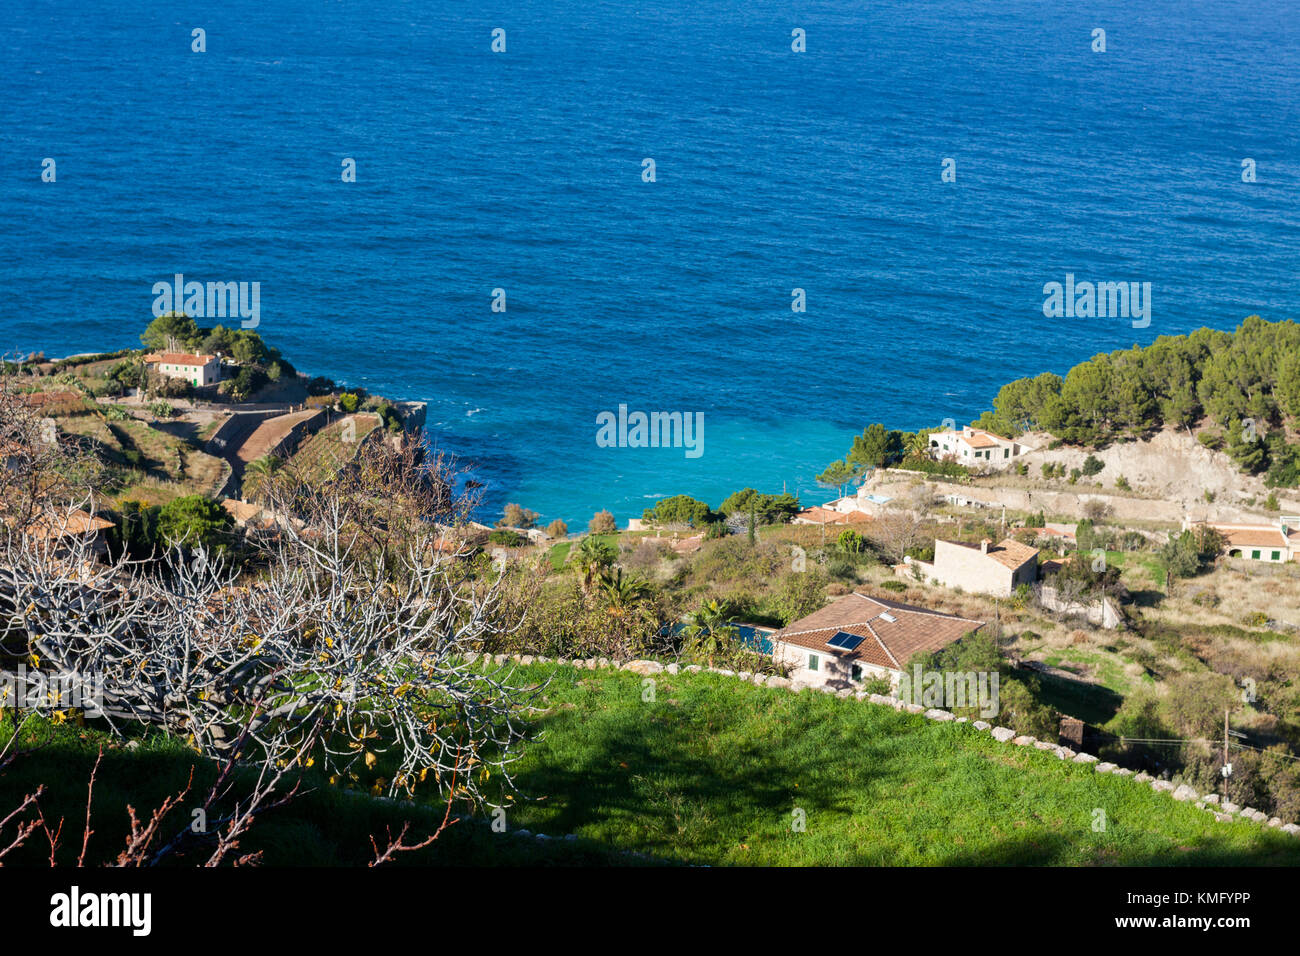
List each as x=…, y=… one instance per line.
x=844, y=641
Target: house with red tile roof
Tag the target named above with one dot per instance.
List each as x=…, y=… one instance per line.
x=1271, y=543
x=858, y=637
x=975, y=446
x=60, y=527
x=821, y=515
x=984, y=568
x=198, y=370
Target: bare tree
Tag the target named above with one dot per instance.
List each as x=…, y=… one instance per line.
x=39, y=467
x=897, y=530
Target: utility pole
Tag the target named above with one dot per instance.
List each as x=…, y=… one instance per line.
x=1227, y=767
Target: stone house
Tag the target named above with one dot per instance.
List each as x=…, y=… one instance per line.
x=984, y=568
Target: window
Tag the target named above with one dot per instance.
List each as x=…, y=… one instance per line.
x=857, y=672
x=813, y=662
x=1006, y=453
x=1277, y=555
x=1255, y=555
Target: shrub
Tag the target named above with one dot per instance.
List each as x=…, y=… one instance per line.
x=602, y=522
x=896, y=586
x=175, y=388
x=850, y=541
x=928, y=465
x=679, y=509
x=516, y=516
x=557, y=529
x=768, y=509
x=877, y=685
x=842, y=570
x=921, y=553
x=1122, y=484
x=194, y=521
x=799, y=595
x=507, y=538
x=1092, y=465
x=1095, y=509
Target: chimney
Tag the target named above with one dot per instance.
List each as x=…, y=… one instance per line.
x=984, y=546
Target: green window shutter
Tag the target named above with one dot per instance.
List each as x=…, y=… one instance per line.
x=813, y=662
x=1255, y=555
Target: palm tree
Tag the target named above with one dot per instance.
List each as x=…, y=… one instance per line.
x=258, y=476
x=592, y=557
x=622, y=592
x=710, y=632
x=919, y=443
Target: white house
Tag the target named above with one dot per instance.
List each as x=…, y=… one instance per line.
x=198, y=370
x=863, y=502
x=974, y=446
x=1270, y=543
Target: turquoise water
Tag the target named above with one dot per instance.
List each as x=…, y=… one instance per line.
x=775, y=171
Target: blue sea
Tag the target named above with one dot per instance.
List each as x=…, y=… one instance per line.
x=775, y=170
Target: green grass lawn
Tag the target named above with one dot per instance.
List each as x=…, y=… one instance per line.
x=713, y=770
x=324, y=826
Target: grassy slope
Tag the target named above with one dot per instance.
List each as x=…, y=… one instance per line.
x=322, y=454
x=323, y=827
x=711, y=772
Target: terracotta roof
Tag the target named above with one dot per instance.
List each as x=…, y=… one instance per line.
x=1251, y=536
x=61, y=525
x=180, y=358
x=1008, y=552
x=886, y=643
x=978, y=439
x=820, y=515
x=242, y=511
